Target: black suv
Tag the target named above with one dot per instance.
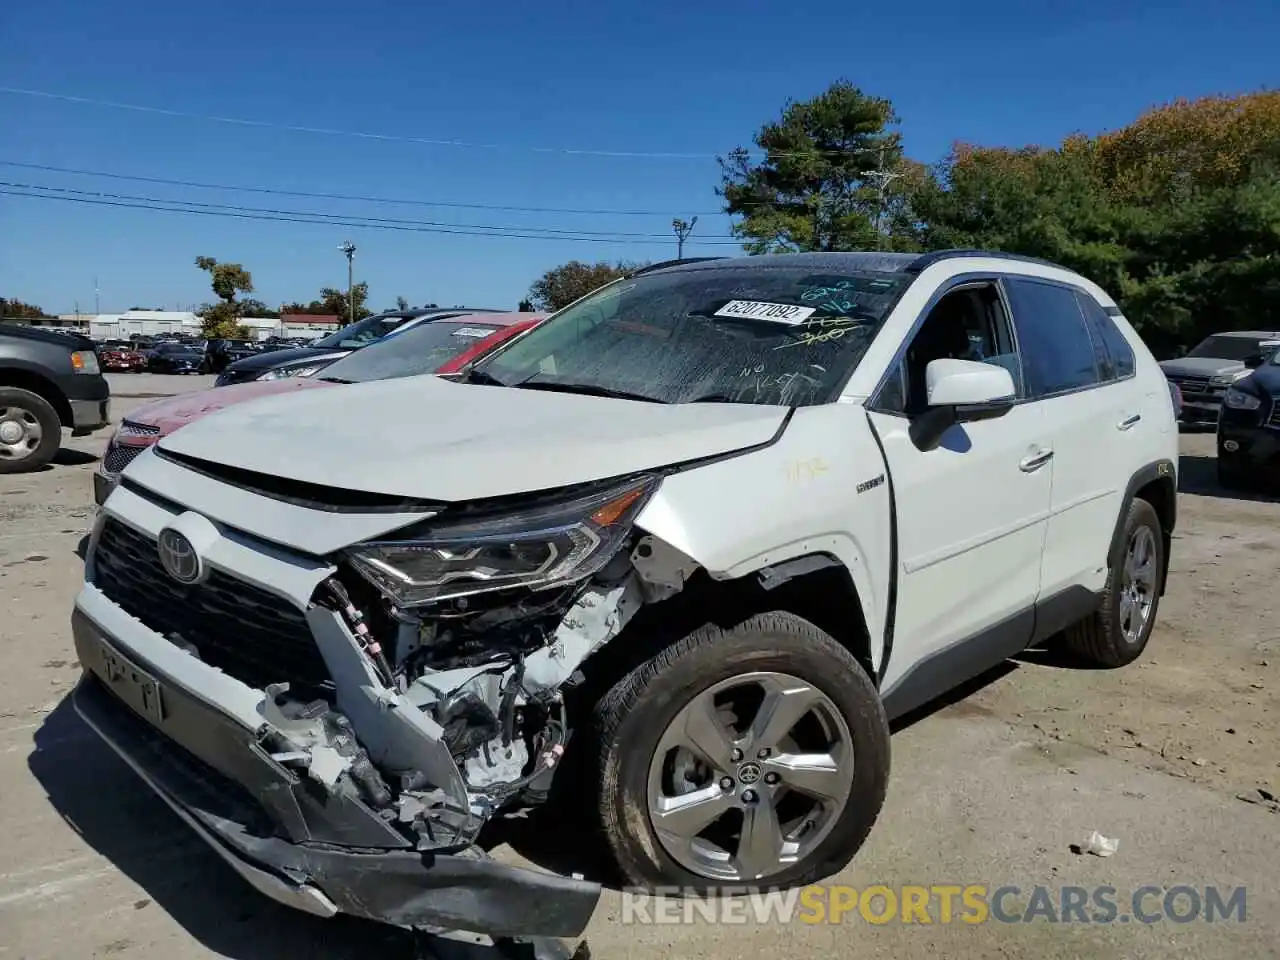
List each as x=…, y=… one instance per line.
x=1249, y=425
x=48, y=381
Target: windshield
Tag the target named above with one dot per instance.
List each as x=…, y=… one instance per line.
x=361, y=333
x=768, y=334
x=1227, y=348
x=422, y=349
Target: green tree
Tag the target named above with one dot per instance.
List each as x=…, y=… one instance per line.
x=222, y=319
x=560, y=286
x=402, y=303
x=256, y=308
x=314, y=308
x=525, y=306
x=814, y=188
x=335, y=301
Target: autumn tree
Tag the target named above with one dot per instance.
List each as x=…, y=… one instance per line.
x=562, y=285
x=17, y=310
x=815, y=187
x=222, y=319
x=1177, y=214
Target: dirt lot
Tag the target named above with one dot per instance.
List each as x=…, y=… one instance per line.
x=1174, y=756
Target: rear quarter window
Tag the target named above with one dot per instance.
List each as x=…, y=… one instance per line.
x=1104, y=329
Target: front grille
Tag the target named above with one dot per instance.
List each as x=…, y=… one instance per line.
x=248, y=633
x=1192, y=384
x=119, y=456
x=131, y=428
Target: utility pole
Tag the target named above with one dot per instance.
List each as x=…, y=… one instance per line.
x=97, y=306
x=881, y=178
x=682, y=230
x=349, y=249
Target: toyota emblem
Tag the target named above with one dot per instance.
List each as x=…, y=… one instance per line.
x=179, y=557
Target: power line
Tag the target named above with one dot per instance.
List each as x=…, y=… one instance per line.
x=48, y=168
x=245, y=213
x=353, y=218
x=403, y=138
x=327, y=131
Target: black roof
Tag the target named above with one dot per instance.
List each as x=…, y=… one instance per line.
x=873, y=260
x=936, y=256
x=414, y=313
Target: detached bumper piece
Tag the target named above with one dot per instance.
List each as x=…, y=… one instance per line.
x=461, y=891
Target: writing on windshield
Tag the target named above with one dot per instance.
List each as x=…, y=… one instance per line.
x=769, y=334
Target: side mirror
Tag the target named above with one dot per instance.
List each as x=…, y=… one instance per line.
x=961, y=391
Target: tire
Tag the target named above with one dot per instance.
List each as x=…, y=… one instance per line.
x=38, y=420
x=1101, y=639
x=634, y=717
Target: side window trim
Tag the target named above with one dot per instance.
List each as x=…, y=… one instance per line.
x=955, y=284
x=1101, y=349
x=1073, y=289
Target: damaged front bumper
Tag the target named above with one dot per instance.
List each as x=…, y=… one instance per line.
x=317, y=851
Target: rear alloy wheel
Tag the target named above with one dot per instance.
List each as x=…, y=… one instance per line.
x=1118, y=633
x=30, y=432
x=753, y=757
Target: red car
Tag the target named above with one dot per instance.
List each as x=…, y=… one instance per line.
x=117, y=356
x=442, y=347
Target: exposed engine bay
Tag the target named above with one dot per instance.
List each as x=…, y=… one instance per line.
x=486, y=675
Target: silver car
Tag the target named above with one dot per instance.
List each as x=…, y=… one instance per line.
x=1205, y=373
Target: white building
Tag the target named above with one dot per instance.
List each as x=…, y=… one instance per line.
x=261, y=327
x=149, y=323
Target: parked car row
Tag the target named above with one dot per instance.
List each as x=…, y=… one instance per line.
x=305, y=361
x=445, y=345
x=688, y=545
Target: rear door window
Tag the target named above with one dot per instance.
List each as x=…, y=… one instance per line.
x=1058, y=354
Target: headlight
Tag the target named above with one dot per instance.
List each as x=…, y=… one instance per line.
x=280, y=373
x=543, y=546
x=1239, y=400
x=85, y=361
x=1224, y=379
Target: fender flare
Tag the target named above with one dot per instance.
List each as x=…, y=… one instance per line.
x=1159, y=471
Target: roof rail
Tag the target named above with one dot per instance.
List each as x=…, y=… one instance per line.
x=929, y=259
x=670, y=263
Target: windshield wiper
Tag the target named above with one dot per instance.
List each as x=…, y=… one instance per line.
x=334, y=380
x=586, y=389
x=482, y=377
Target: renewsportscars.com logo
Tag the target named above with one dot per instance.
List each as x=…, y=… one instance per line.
x=939, y=904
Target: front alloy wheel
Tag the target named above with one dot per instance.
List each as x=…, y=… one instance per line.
x=750, y=777
x=743, y=758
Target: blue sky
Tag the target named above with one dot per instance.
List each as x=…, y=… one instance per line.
x=533, y=80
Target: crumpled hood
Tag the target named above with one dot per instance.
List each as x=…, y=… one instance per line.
x=429, y=438
x=1199, y=366
x=169, y=414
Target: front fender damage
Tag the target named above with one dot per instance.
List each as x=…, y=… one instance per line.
x=471, y=727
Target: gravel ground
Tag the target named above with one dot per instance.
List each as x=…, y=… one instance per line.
x=1175, y=756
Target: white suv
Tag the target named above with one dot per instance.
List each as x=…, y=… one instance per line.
x=719, y=520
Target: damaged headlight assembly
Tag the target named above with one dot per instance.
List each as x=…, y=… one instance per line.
x=542, y=546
